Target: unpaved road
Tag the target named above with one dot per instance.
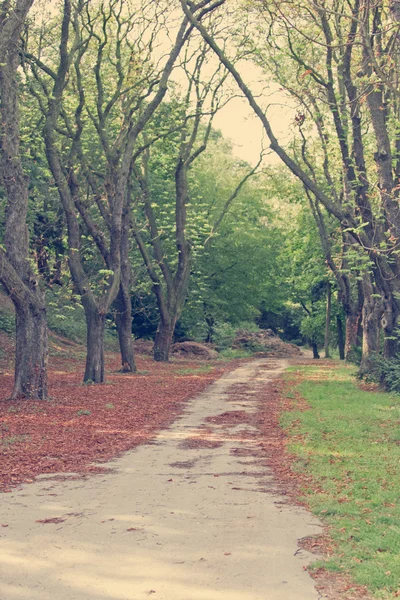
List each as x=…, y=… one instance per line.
x=174, y=520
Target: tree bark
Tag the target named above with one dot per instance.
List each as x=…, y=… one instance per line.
x=371, y=315
x=341, y=340
x=16, y=274
x=389, y=324
x=328, y=318
x=352, y=321
x=314, y=347
x=123, y=317
x=163, y=340
x=31, y=352
x=95, y=323
x=123, y=321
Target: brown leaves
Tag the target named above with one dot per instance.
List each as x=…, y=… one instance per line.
x=51, y=520
x=58, y=440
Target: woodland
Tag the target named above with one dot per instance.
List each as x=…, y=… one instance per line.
x=126, y=214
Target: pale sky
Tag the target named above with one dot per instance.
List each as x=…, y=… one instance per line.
x=236, y=120
x=238, y=123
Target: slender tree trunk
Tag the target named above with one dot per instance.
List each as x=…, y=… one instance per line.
x=31, y=352
x=95, y=323
x=210, y=329
x=351, y=342
x=389, y=323
x=328, y=319
x=371, y=316
x=341, y=339
x=163, y=341
x=314, y=347
x=123, y=302
x=123, y=321
x=16, y=274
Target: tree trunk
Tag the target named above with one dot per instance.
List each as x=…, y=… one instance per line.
x=16, y=275
x=389, y=324
x=328, y=319
x=341, y=340
x=31, y=352
x=352, y=321
x=371, y=315
x=314, y=347
x=95, y=323
x=123, y=321
x=123, y=318
x=163, y=341
x=210, y=330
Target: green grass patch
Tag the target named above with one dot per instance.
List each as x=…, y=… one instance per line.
x=10, y=440
x=350, y=445
x=194, y=370
x=229, y=353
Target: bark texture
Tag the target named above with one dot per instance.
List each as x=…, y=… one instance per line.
x=123, y=321
x=328, y=319
x=341, y=340
x=95, y=322
x=16, y=275
x=371, y=325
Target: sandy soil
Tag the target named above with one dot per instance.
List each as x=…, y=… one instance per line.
x=191, y=516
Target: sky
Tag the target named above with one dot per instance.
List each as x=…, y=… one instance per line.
x=236, y=120
x=238, y=123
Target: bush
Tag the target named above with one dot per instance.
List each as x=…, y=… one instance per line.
x=224, y=334
x=355, y=355
x=234, y=353
x=386, y=372
x=7, y=322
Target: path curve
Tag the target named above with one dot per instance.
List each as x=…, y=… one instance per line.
x=191, y=516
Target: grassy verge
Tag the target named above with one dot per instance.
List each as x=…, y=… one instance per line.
x=348, y=446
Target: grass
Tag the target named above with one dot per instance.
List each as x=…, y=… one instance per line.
x=349, y=443
x=83, y=411
x=229, y=353
x=194, y=370
x=10, y=440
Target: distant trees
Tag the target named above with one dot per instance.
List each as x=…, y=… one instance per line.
x=340, y=63
x=120, y=171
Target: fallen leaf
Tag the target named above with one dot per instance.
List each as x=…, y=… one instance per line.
x=51, y=520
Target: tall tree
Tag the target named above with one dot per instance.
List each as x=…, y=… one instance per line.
x=16, y=274
x=114, y=111
x=329, y=56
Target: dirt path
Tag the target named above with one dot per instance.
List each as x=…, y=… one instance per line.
x=192, y=516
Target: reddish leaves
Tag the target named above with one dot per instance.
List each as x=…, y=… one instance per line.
x=82, y=424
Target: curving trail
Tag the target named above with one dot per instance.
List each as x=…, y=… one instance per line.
x=191, y=516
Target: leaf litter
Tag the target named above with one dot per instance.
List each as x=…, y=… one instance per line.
x=77, y=427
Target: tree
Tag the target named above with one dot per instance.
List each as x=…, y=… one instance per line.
x=331, y=66
x=16, y=274
x=80, y=108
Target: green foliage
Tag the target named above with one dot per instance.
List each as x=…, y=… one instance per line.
x=386, y=372
x=65, y=315
x=7, y=320
x=224, y=334
x=312, y=326
x=355, y=355
x=83, y=412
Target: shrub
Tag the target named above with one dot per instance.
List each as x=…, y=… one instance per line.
x=386, y=372
x=224, y=334
x=7, y=322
